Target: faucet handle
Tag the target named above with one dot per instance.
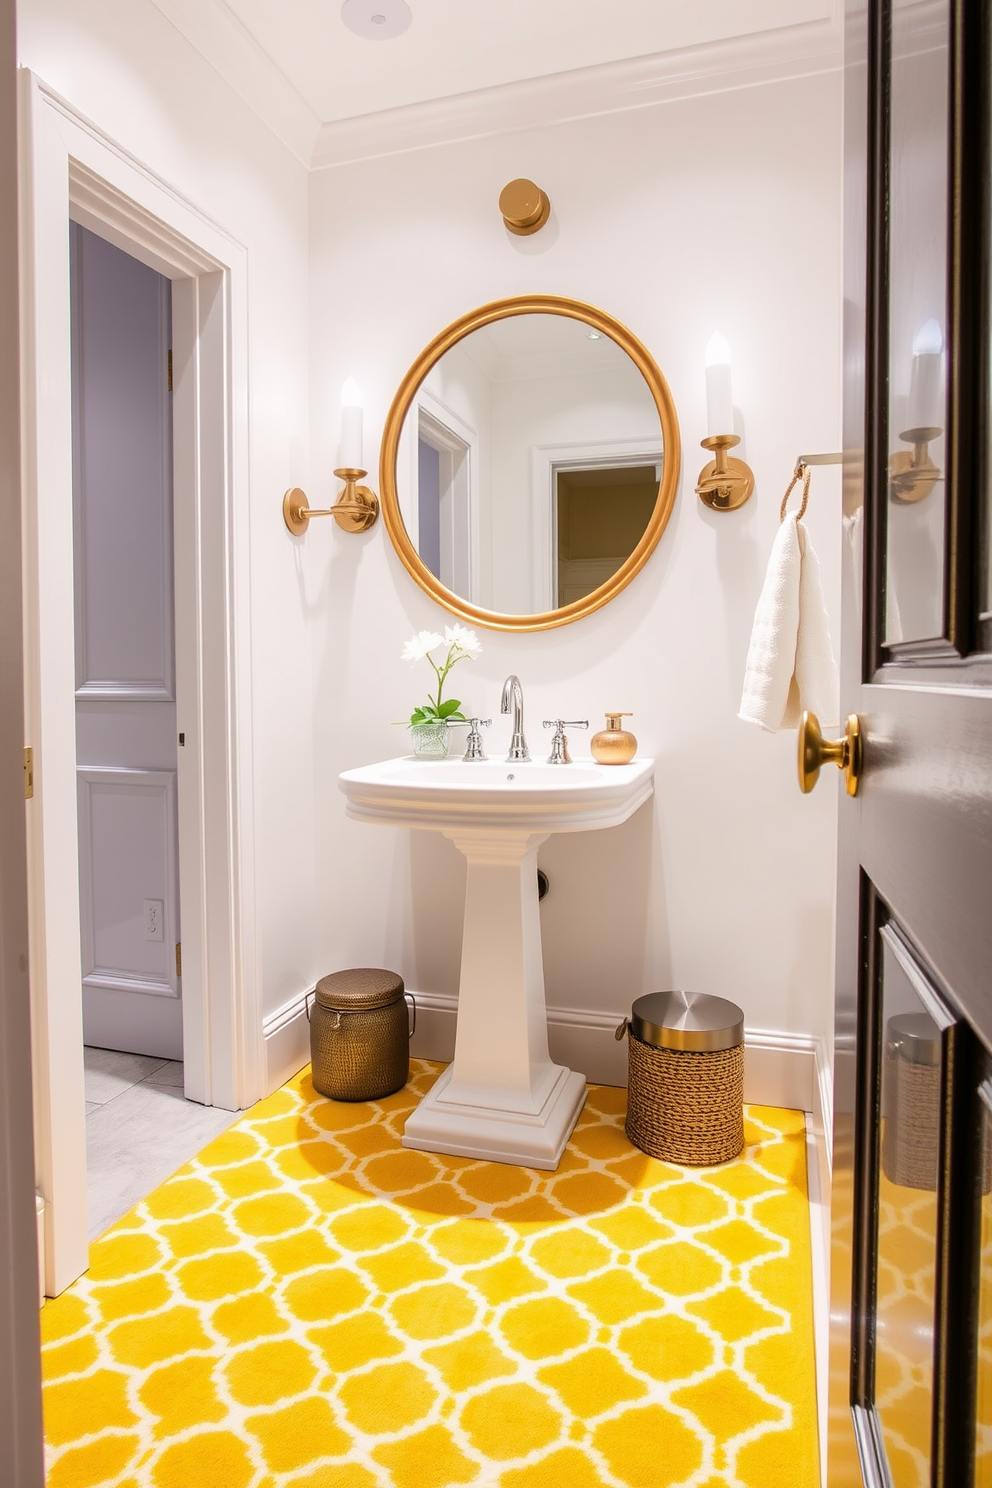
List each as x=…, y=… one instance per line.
x=559, y=744
x=473, y=744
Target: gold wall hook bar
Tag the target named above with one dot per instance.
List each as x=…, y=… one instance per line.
x=816, y=751
x=726, y=483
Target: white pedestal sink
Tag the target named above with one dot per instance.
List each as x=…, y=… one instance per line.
x=501, y=1098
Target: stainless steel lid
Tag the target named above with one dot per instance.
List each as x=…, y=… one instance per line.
x=914, y=1037
x=687, y=1020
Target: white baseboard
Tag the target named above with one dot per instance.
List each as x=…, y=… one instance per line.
x=780, y=1069
x=286, y=1040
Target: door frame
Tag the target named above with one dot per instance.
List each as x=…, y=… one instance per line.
x=71, y=170
x=545, y=462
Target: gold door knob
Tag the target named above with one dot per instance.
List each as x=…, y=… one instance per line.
x=815, y=750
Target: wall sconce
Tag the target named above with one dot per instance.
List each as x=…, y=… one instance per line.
x=914, y=475
x=726, y=482
x=357, y=508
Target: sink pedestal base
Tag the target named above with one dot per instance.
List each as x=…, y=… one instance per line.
x=502, y=1099
x=531, y=1141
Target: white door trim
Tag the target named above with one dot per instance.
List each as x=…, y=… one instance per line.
x=69, y=169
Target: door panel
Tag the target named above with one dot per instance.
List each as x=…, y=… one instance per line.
x=914, y=993
x=127, y=838
x=125, y=643
x=925, y=827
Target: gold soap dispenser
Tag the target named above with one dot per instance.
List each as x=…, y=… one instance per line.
x=614, y=745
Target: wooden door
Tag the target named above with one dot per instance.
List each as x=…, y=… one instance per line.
x=125, y=651
x=911, y=1367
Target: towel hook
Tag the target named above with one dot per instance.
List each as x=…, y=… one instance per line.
x=804, y=474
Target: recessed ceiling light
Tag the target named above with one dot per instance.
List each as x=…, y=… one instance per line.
x=594, y=336
x=376, y=20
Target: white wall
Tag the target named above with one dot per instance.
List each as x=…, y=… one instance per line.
x=122, y=65
x=678, y=219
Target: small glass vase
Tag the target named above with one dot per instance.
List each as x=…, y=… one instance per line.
x=430, y=740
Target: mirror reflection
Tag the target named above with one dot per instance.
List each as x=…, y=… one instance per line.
x=529, y=463
x=914, y=608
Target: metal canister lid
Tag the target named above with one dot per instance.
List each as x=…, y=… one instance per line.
x=914, y=1037
x=687, y=1020
x=359, y=987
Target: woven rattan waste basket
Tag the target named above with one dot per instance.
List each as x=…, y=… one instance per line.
x=685, y=1077
x=360, y=1031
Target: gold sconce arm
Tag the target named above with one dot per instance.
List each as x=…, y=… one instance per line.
x=726, y=482
x=355, y=510
x=914, y=475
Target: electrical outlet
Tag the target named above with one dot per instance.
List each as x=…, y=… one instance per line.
x=154, y=919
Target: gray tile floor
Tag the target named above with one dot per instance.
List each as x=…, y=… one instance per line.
x=139, y=1129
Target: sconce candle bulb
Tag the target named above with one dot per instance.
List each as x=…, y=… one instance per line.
x=926, y=385
x=726, y=482
x=351, y=426
x=913, y=475
x=719, y=390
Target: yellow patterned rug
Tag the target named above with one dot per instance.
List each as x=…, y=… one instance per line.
x=309, y=1304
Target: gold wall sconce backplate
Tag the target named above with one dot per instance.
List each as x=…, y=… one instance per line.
x=524, y=206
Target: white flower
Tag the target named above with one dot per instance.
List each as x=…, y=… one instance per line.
x=419, y=645
x=466, y=640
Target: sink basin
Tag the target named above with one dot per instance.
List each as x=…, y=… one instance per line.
x=536, y=796
x=502, y=1098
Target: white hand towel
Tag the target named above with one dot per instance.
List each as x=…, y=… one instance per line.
x=790, y=661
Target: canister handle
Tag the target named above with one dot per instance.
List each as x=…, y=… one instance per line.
x=411, y=1003
x=337, y=1015
x=621, y=1030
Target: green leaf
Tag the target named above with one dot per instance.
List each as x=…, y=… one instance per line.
x=450, y=708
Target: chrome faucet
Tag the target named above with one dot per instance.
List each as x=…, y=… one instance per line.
x=512, y=691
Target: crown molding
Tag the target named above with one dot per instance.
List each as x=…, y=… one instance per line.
x=614, y=87
x=216, y=33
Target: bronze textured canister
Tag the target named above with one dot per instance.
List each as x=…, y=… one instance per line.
x=685, y=1082
x=360, y=1031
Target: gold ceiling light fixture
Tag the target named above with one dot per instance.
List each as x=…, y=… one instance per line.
x=524, y=207
x=357, y=507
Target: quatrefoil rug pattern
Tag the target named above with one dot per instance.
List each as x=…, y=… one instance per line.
x=309, y=1305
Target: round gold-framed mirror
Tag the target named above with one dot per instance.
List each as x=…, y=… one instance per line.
x=529, y=462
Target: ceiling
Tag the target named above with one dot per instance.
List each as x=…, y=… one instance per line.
x=305, y=72
x=459, y=46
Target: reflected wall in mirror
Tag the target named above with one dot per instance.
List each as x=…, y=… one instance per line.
x=529, y=463
x=918, y=187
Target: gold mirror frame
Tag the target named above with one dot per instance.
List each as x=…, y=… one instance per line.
x=671, y=459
